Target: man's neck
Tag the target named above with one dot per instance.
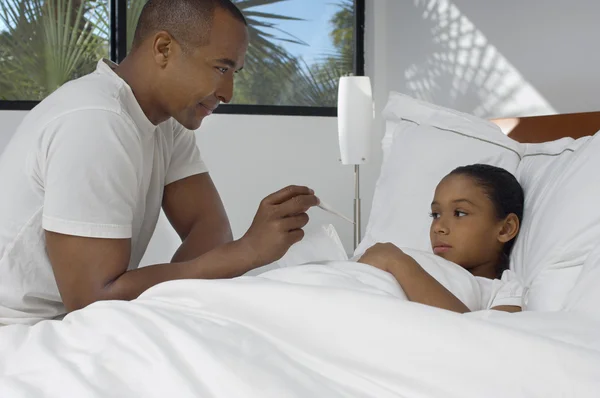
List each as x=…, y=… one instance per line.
x=141, y=84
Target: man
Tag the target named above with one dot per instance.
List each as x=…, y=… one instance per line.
x=89, y=168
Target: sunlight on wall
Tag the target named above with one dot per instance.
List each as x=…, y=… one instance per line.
x=465, y=67
x=507, y=125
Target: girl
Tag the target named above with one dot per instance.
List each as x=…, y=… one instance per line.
x=476, y=213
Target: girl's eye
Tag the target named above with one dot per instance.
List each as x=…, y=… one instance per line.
x=459, y=213
x=222, y=70
x=434, y=215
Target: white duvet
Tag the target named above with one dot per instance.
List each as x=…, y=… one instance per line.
x=324, y=330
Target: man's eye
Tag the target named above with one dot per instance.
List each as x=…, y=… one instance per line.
x=222, y=70
x=459, y=213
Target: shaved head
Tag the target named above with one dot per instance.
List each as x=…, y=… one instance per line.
x=184, y=58
x=188, y=21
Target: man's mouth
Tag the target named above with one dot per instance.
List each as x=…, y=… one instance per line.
x=209, y=109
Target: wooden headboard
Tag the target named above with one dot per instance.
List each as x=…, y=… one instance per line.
x=552, y=127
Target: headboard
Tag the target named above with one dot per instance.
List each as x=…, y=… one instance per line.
x=552, y=127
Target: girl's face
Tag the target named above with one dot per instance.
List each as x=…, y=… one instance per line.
x=465, y=228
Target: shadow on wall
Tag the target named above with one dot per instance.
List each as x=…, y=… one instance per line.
x=444, y=59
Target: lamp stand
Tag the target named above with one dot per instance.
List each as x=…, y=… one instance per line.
x=357, y=223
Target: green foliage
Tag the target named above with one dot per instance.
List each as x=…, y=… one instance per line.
x=291, y=81
x=46, y=44
x=49, y=42
x=342, y=34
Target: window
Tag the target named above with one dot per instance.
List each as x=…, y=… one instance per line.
x=298, y=49
x=44, y=43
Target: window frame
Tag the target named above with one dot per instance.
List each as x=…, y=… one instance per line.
x=118, y=50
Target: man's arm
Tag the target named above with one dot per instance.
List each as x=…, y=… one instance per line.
x=195, y=210
x=93, y=269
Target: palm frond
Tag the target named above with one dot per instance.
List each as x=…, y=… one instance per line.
x=134, y=9
x=318, y=85
x=48, y=42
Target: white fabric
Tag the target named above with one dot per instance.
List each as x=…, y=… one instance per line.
x=258, y=337
x=584, y=297
x=85, y=162
x=508, y=290
x=319, y=244
x=561, y=223
x=358, y=276
x=427, y=142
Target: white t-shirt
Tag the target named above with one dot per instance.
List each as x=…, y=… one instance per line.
x=86, y=162
x=507, y=290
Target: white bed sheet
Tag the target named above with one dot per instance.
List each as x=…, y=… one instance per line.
x=259, y=337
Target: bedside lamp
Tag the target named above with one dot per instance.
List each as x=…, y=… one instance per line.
x=355, y=124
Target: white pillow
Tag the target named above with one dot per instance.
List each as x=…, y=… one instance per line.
x=423, y=143
x=561, y=221
x=319, y=244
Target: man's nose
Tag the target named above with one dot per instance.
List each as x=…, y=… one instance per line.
x=225, y=90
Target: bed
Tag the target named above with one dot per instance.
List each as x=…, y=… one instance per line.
x=338, y=331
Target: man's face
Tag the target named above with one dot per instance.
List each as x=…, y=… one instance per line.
x=193, y=83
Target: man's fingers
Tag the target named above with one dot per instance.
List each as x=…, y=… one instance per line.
x=295, y=222
x=297, y=205
x=286, y=194
x=296, y=235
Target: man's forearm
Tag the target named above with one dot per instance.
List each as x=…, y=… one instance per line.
x=202, y=240
x=226, y=261
x=422, y=288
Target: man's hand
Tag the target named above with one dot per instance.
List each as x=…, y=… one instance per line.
x=278, y=224
x=384, y=256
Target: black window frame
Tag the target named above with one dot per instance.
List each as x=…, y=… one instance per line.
x=118, y=51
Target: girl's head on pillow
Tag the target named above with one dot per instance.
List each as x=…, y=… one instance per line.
x=477, y=212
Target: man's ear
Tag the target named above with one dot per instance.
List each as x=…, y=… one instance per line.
x=162, y=48
x=510, y=228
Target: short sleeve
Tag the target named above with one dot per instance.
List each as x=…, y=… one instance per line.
x=508, y=290
x=185, y=157
x=89, y=166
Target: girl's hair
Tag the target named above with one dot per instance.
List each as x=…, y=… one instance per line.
x=506, y=194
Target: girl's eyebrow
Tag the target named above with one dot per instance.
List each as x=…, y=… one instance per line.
x=465, y=201
x=434, y=203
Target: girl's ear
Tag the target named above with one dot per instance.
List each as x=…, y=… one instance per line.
x=510, y=228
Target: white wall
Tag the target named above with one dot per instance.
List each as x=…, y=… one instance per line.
x=9, y=121
x=250, y=157
x=495, y=58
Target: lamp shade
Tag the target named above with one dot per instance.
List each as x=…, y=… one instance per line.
x=355, y=119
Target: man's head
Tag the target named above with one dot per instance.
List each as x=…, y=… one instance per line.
x=191, y=49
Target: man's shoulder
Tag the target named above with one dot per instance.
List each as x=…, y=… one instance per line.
x=91, y=94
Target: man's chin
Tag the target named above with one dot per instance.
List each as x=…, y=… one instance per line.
x=191, y=124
